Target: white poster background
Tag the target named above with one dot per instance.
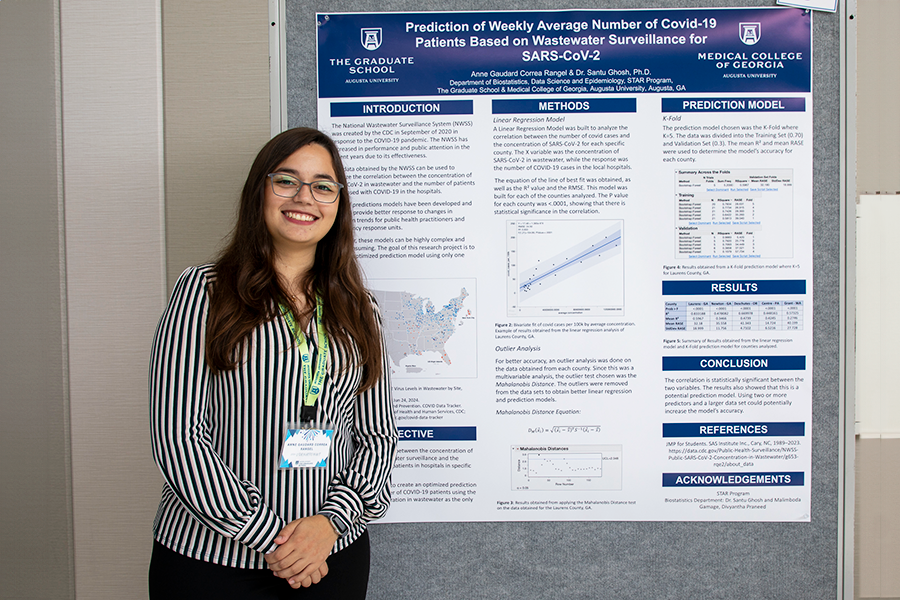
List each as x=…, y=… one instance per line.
x=520, y=261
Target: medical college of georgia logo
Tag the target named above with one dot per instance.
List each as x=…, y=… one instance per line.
x=370, y=37
x=750, y=33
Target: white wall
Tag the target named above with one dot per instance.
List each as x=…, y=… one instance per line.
x=113, y=188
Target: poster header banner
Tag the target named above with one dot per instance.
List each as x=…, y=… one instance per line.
x=565, y=52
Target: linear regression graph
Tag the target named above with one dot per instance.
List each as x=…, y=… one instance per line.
x=580, y=467
x=570, y=262
x=565, y=267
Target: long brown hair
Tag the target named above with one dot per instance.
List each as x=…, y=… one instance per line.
x=246, y=291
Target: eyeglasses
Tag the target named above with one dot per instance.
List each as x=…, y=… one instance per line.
x=323, y=191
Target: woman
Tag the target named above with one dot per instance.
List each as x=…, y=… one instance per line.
x=271, y=416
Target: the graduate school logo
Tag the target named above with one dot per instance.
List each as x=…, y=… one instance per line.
x=370, y=37
x=750, y=33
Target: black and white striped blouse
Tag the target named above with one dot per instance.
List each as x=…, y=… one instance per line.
x=216, y=438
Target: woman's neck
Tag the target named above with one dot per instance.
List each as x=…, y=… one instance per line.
x=291, y=269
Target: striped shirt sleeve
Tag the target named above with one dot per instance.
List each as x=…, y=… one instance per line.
x=180, y=394
x=360, y=493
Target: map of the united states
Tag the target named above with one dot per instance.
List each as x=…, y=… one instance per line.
x=413, y=326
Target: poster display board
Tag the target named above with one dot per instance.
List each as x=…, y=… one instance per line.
x=590, y=236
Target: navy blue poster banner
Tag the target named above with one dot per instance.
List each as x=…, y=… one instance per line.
x=589, y=234
x=569, y=52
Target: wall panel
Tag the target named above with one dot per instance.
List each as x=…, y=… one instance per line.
x=112, y=150
x=35, y=497
x=216, y=74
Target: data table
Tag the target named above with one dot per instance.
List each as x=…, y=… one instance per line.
x=734, y=315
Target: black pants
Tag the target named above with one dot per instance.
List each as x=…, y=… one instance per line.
x=174, y=576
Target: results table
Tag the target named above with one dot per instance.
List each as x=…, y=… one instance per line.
x=734, y=315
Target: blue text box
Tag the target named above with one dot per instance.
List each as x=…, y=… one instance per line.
x=733, y=429
x=437, y=434
x=785, y=478
x=732, y=287
x=733, y=363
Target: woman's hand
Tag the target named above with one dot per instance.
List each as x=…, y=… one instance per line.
x=316, y=577
x=304, y=545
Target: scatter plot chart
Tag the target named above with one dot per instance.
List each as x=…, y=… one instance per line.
x=580, y=467
x=565, y=267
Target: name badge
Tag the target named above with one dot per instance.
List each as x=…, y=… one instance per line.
x=305, y=448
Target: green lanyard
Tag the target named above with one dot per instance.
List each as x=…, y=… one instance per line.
x=312, y=384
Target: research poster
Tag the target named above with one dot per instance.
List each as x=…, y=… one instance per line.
x=590, y=237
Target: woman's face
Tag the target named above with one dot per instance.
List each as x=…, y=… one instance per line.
x=298, y=223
